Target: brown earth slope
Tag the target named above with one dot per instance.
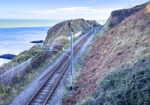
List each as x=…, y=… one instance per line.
x=121, y=46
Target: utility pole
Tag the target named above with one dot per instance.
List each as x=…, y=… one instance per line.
x=71, y=57
x=92, y=28
x=71, y=54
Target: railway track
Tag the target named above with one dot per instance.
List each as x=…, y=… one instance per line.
x=53, y=78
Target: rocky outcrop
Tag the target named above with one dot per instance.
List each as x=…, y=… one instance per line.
x=38, y=41
x=119, y=15
x=63, y=29
x=8, y=56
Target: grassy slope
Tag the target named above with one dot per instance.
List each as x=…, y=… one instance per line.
x=13, y=91
x=59, y=32
x=122, y=46
x=62, y=29
x=40, y=61
x=127, y=86
x=131, y=84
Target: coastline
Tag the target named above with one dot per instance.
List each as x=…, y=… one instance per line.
x=3, y=61
x=16, y=34
x=16, y=40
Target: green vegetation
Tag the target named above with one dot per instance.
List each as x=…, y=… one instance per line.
x=9, y=93
x=18, y=75
x=3, y=89
x=111, y=25
x=76, y=75
x=69, y=43
x=128, y=86
x=62, y=29
x=82, y=103
x=26, y=55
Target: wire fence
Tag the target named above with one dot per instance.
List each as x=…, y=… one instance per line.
x=14, y=74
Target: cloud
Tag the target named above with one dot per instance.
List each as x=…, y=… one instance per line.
x=63, y=13
x=90, y=1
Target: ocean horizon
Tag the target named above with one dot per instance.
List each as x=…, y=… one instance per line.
x=16, y=34
x=17, y=40
x=17, y=23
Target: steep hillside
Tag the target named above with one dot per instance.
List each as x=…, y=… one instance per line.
x=22, y=70
x=62, y=29
x=56, y=34
x=118, y=16
x=124, y=46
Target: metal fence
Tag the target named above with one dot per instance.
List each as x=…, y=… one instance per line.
x=12, y=75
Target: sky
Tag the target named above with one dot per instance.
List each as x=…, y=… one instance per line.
x=62, y=9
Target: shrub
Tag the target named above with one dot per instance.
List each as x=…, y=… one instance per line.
x=18, y=75
x=3, y=89
x=128, y=86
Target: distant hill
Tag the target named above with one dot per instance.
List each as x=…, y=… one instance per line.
x=62, y=29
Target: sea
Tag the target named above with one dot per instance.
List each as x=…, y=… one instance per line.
x=16, y=34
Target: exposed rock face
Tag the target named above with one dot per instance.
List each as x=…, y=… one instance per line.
x=8, y=56
x=95, y=24
x=119, y=15
x=62, y=29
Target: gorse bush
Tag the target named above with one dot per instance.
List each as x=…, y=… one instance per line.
x=3, y=89
x=128, y=86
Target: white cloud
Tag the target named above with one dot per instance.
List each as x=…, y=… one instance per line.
x=90, y=1
x=62, y=13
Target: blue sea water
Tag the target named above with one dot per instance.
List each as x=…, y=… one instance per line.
x=12, y=23
x=16, y=40
x=16, y=34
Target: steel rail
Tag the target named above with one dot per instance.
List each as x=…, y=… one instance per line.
x=64, y=66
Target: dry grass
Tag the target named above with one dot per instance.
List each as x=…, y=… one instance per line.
x=129, y=86
x=148, y=8
x=13, y=91
x=121, y=46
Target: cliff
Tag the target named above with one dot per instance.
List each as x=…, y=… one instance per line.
x=55, y=35
x=116, y=69
x=118, y=16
